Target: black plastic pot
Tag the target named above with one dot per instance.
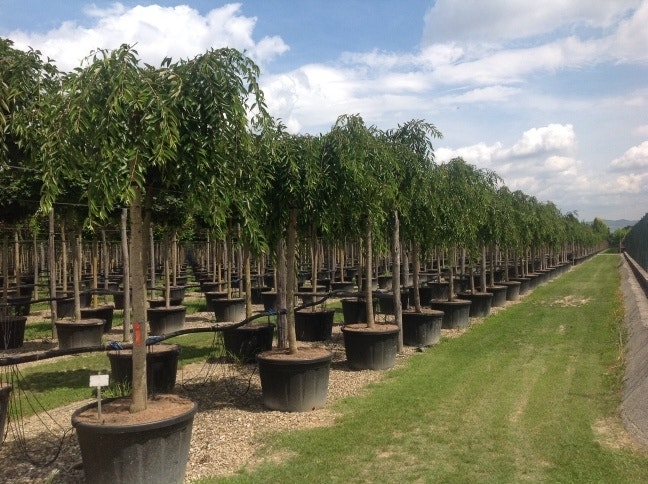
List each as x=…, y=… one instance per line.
x=161, y=367
x=12, y=331
x=79, y=334
x=19, y=305
x=355, y=311
x=5, y=393
x=210, y=296
x=101, y=312
x=525, y=284
x=512, y=289
x=456, y=313
x=165, y=320
x=229, y=309
x=155, y=451
x=65, y=308
x=370, y=349
x=499, y=295
x=386, y=301
x=422, y=329
x=256, y=294
x=480, y=303
x=269, y=299
x=245, y=342
x=314, y=325
x=295, y=383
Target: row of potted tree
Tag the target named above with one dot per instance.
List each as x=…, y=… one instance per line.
x=195, y=137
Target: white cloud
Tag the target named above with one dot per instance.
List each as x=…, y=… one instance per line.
x=157, y=32
x=501, y=20
x=547, y=139
x=635, y=158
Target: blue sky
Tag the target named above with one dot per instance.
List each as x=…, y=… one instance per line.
x=552, y=95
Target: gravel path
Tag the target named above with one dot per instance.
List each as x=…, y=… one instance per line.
x=226, y=430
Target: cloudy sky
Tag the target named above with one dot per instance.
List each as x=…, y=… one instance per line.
x=551, y=95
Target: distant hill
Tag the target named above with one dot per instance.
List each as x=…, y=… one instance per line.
x=619, y=224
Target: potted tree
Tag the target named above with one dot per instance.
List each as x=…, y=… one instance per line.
x=293, y=378
x=127, y=118
x=26, y=79
x=421, y=325
x=455, y=226
x=364, y=171
x=482, y=185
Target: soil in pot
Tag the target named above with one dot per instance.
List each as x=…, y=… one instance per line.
x=297, y=382
x=161, y=367
x=148, y=446
x=370, y=348
x=165, y=320
x=12, y=331
x=79, y=334
x=314, y=325
x=245, y=342
x=101, y=312
x=422, y=329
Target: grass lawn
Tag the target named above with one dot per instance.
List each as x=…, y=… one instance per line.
x=530, y=395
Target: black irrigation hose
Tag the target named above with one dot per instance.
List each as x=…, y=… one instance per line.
x=113, y=345
x=14, y=360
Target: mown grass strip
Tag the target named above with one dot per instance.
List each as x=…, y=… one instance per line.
x=529, y=395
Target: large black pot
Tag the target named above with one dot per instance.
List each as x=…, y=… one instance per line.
x=5, y=393
x=512, y=289
x=525, y=284
x=256, y=294
x=314, y=325
x=245, y=342
x=19, y=305
x=65, y=308
x=480, y=303
x=165, y=320
x=269, y=299
x=499, y=295
x=456, y=313
x=370, y=349
x=229, y=309
x=12, y=331
x=79, y=334
x=101, y=312
x=422, y=329
x=151, y=451
x=386, y=301
x=355, y=310
x=295, y=383
x=161, y=367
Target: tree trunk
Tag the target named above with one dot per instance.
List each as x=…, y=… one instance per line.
x=51, y=249
x=248, y=282
x=396, y=279
x=126, y=273
x=416, y=262
x=368, y=275
x=291, y=242
x=138, y=279
x=280, y=287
